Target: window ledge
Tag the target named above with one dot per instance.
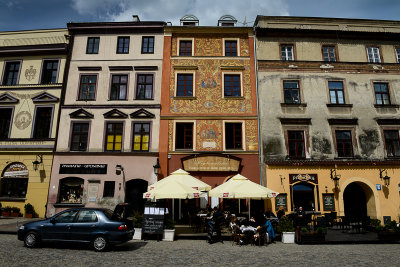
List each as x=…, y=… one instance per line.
x=392, y=158
x=386, y=106
x=233, y=97
x=117, y=99
x=293, y=104
x=149, y=99
x=340, y=158
x=13, y=199
x=183, y=150
x=75, y=205
x=339, y=105
x=185, y=97
x=86, y=100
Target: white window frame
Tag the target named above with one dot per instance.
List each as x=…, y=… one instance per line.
x=286, y=52
x=397, y=52
x=194, y=134
x=243, y=134
x=194, y=82
x=223, y=84
x=178, y=45
x=375, y=53
x=237, y=45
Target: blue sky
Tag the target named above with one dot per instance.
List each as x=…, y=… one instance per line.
x=41, y=14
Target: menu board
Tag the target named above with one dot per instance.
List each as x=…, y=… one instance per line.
x=329, y=202
x=153, y=220
x=281, y=200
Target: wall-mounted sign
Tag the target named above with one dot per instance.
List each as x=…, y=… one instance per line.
x=328, y=201
x=281, y=200
x=378, y=187
x=303, y=178
x=16, y=170
x=211, y=163
x=83, y=169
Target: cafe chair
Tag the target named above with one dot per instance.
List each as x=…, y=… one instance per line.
x=260, y=237
x=238, y=236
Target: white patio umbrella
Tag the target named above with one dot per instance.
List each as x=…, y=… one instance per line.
x=240, y=187
x=182, y=177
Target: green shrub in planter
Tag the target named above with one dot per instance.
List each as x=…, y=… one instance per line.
x=137, y=219
x=7, y=209
x=169, y=224
x=15, y=210
x=304, y=230
x=321, y=230
x=29, y=208
x=375, y=223
x=285, y=225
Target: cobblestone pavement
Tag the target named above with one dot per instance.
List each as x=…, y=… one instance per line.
x=197, y=253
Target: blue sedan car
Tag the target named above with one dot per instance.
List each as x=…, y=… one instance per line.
x=98, y=227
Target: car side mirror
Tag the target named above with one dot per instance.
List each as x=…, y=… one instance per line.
x=53, y=221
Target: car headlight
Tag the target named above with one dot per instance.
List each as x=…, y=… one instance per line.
x=21, y=227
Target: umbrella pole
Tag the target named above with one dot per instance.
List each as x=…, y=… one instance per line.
x=239, y=205
x=249, y=207
x=173, y=210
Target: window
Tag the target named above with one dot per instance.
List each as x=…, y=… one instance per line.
x=373, y=54
x=14, y=187
x=5, y=122
x=328, y=52
x=398, y=54
x=86, y=216
x=114, y=136
x=148, y=45
x=141, y=136
x=382, y=93
x=93, y=45
x=296, y=144
x=123, y=45
x=109, y=188
x=185, y=48
x=66, y=217
x=287, y=52
x=232, y=85
x=42, y=125
x=344, y=144
x=231, y=48
x=185, y=85
x=49, y=71
x=79, y=136
x=336, y=92
x=392, y=143
x=291, y=92
x=144, y=86
x=87, y=87
x=184, y=136
x=11, y=72
x=119, y=84
x=233, y=136
x=71, y=190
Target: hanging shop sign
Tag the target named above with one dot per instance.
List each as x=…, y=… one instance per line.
x=211, y=163
x=293, y=178
x=16, y=170
x=83, y=169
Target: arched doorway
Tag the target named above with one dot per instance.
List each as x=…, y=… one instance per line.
x=303, y=196
x=359, y=201
x=134, y=193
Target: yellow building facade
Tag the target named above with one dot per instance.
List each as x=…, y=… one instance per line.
x=32, y=71
x=329, y=98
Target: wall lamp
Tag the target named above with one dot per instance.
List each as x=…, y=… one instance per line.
x=157, y=167
x=37, y=162
x=386, y=178
x=282, y=178
x=335, y=178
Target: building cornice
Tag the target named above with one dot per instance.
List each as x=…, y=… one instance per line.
x=332, y=163
x=28, y=50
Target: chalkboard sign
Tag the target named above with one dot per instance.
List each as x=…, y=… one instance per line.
x=153, y=224
x=281, y=200
x=329, y=202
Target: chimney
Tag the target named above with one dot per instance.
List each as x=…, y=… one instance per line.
x=136, y=18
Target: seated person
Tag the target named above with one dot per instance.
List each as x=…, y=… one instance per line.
x=252, y=222
x=269, y=213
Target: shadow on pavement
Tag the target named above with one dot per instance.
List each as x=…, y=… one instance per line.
x=130, y=246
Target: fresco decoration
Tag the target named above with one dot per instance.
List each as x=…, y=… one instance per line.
x=23, y=119
x=208, y=47
x=170, y=135
x=209, y=135
x=251, y=135
x=208, y=88
x=244, y=47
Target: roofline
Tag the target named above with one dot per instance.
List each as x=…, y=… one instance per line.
x=207, y=29
x=118, y=24
x=33, y=31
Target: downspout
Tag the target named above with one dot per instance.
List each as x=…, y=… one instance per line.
x=258, y=106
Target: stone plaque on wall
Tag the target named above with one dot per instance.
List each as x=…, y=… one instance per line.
x=211, y=163
x=93, y=190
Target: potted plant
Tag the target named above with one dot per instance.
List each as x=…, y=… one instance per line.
x=390, y=232
x=286, y=227
x=15, y=212
x=6, y=211
x=137, y=221
x=314, y=237
x=169, y=230
x=29, y=210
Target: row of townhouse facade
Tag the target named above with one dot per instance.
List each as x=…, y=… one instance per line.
x=93, y=114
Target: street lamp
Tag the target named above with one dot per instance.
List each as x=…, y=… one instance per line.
x=157, y=167
x=37, y=162
x=335, y=178
x=386, y=178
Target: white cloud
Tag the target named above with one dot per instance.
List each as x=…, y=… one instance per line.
x=208, y=11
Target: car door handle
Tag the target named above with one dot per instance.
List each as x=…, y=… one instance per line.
x=93, y=226
x=68, y=227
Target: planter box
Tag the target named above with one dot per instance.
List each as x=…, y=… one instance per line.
x=288, y=237
x=389, y=236
x=169, y=235
x=5, y=213
x=312, y=238
x=28, y=215
x=14, y=214
x=138, y=234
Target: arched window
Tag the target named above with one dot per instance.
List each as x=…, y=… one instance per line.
x=14, y=181
x=71, y=190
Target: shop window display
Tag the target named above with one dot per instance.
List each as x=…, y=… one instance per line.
x=71, y=190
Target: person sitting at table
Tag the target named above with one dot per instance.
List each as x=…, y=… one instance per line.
x=281, y=212
x=252, y=222
x=269, y=213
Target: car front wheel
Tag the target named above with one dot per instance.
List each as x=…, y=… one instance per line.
x=100, y=243
x=31, y=240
